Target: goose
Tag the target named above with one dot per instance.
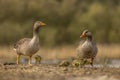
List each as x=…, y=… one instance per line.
x=37, y=59
x=29, y=46
x=87, y=48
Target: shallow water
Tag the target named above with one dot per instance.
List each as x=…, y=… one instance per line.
x=113, y=63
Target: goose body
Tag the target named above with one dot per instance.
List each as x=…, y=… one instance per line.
x=87, y=49
x=29, y=46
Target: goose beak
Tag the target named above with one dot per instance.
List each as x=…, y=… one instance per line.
x=42, y=24
x=83, y=35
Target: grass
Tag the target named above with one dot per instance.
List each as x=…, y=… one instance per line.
x=109, y=51
x=104, y=51
x=52, y=72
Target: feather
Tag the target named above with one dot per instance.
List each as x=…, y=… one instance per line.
x=20, y=42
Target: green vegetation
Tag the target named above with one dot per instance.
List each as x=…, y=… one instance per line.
x=65, y=20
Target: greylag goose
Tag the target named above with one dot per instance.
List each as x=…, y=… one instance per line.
x=37, y=59
x=29, y=46
x=64, y=63
x=87, y=49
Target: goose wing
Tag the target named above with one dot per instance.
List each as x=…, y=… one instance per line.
x=20, y=42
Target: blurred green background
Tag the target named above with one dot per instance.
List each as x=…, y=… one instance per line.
x=65, y=20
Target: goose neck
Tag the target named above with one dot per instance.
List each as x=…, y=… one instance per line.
x=89, y=38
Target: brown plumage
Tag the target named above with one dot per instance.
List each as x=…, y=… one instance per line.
x=87, y=48
x=29, y=46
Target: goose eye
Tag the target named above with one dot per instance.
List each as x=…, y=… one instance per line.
x=86, y=32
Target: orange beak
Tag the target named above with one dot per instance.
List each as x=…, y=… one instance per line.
x=83, y=35
x=42, y=24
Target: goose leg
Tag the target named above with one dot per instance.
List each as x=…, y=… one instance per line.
x=92, y=61
x=18, y=59
x=29, y=60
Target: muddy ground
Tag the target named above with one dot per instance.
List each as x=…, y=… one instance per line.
x=53, y=72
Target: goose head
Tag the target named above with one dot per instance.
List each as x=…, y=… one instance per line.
x=86, y=33
x=37, y=25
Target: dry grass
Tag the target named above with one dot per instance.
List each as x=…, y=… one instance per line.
x=53, y=72
x=105, y=51
x=7, y=54
x=109, y=51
